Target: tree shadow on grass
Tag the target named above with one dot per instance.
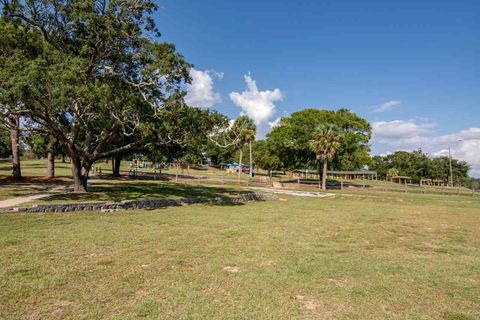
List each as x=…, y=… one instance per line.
x=337, y=185
x=334, y=184
x=58, y=180
x=116, y=192
x=225, y=204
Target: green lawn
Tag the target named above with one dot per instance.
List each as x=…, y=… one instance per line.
x=35, y=168
x=360, y=256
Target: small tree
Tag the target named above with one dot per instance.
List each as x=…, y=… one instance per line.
x=324, y=143
x=392, y=173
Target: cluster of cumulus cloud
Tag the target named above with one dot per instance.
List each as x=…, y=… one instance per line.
x=410, y=135
x=257, y=104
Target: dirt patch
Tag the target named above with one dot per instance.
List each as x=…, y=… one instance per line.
x=231, y=269
x=60, y=306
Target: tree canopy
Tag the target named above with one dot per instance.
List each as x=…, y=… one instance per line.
x=290, y=140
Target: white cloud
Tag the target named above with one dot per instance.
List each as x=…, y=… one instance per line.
x=408, y=135
x=275, y=123
x=387, y=106
x=258, y=105
x=200, y=93
x=399, y=129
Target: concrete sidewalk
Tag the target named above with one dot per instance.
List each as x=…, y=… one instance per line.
x=27, y=198
x=297, y=193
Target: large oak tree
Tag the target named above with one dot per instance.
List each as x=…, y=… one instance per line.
x=95, y=64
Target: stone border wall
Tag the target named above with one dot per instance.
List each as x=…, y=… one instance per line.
x=138, y=204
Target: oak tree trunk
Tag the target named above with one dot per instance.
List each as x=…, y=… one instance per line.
x=176, y=173
x=116, y=165
x=51, y=165
x=51, y=161
x=14, y=138
x=80, y=172
x=79, y=185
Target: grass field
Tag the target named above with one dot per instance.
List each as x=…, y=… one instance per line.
x=107, y=189
x=359, y=256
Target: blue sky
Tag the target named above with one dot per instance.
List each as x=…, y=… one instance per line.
x=411, y=68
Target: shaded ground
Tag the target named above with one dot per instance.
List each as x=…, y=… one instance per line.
x=134, y=190
x=363, y=256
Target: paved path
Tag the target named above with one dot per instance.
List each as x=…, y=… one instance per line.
x=27, y=198
x=297, y=193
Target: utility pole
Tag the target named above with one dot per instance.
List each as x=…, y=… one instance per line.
x=450, y=162
x=251, y=163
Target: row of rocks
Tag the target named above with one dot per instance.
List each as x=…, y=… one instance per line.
x=139, y=204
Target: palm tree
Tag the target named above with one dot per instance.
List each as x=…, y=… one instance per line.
x=245, y=129
x=324, y=143
x=392, y=173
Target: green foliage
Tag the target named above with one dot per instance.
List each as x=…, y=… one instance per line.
x=5, y=143
x=95, y=66
x=291, y=140
x=226, y=143
x=185, y=131
x=263, y=157
x=325, y=142
x=244, y=130
x=418, y=165
x=218, y=154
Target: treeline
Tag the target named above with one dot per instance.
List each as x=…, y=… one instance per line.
x=287, y=146
x=418, y=165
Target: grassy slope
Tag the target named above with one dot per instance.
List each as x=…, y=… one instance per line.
x=364, y=256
